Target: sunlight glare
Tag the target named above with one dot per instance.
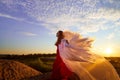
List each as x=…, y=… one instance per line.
x=108, y=51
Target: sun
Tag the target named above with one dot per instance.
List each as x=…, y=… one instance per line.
x=108, y=51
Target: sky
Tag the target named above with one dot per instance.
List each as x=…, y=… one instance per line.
x=30, y=26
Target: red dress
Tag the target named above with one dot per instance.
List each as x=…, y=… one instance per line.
x=60, y=71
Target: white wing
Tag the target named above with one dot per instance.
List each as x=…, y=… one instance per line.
x=78, y=58
x=77, y=40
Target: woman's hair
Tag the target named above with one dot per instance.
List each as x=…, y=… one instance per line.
x=60, y=36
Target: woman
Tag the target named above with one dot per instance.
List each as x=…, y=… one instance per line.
x=60, y=71
x=75, y=57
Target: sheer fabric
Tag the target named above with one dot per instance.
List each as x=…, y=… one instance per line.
x=79, y=59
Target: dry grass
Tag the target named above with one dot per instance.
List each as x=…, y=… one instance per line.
x=13, y=70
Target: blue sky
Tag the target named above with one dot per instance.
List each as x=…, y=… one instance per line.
x=29, y=26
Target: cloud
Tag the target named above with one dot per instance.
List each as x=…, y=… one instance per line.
x=110, y=36
x=81, y=14
x=28, y=34
x=17, y=19
x=84, y=15
x=103, y=13
x=117, y=23
x=11, y=17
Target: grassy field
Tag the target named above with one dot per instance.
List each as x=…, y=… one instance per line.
x=44, y=62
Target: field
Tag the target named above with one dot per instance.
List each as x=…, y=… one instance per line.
x=44, y=62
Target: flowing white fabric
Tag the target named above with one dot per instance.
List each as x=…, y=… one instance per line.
x=79, y=59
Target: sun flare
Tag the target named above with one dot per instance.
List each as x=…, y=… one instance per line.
x=108, y=51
